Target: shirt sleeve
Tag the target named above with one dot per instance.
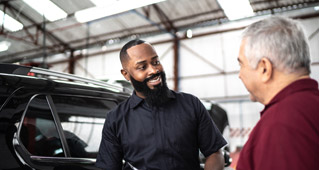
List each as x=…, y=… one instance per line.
x=209, y=137
x=110, y=152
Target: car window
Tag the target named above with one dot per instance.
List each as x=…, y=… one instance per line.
x=82, y=119
x=38, y=133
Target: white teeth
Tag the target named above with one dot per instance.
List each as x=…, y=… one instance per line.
x=155, y=79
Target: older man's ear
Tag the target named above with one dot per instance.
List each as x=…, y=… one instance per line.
x=265, y=69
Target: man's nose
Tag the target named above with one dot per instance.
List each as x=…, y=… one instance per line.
x=153, y=69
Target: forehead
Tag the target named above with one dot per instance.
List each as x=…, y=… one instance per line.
x=242, y=56
x=141, y=52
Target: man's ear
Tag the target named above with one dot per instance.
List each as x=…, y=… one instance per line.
x=125, y=74
x=265, y=69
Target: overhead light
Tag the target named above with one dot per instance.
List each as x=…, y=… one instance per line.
x=47, y=8
x=111, y=41
x=316, y=8
x=189, y=33
x=9, y=23
x=4, y=45
x=111, y=8
x=236, y=9
x=84, y=51
x=103, y=2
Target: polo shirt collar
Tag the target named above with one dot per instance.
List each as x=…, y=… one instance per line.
x=296, y=86
x=135, y=100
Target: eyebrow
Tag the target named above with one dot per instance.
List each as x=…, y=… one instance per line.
x=155, y=57
x=239, y=60
x=140, y=62
x=144, y=61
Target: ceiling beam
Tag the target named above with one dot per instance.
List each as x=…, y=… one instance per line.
x=275, y=4
x=119, y=31
x=17, y=58
x=165, y=20
x=148, y=26
x=52, y=37
x=55, y=48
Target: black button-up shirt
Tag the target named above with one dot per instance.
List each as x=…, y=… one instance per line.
x=164, y=138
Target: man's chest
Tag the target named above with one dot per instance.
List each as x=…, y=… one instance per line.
x=157, y=128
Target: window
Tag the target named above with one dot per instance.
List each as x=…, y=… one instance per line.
x=82, y=119
x=38, y=132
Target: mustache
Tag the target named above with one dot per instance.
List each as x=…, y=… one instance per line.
x=153, y=76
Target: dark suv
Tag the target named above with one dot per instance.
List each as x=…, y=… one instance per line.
x=51, y=120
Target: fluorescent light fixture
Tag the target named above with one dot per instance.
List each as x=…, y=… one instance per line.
x=47, y=8
x=236, y=9
x=111, y=8
x=9, y=23
x=4, y=45
x=189, y=33
x=104, y=48
x=316, y=8
x=103, y=2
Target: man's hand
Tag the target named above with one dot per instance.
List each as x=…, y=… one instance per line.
x=215, y=161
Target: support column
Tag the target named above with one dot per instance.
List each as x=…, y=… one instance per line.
x=71, y=62
x=176, y=64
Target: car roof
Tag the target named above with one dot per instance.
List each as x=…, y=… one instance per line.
x=68, y=80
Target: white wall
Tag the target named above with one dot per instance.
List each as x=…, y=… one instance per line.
x=197, y=75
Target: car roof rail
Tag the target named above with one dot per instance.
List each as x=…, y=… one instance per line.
x=26, y=70
x=46, y=72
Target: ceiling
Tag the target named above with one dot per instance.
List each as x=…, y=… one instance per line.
x=38, y=38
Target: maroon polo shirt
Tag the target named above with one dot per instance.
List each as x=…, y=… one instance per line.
x=287, y=134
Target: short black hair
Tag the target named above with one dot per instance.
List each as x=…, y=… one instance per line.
x=123, y=53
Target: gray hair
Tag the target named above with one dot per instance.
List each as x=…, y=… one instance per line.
x=279, y=39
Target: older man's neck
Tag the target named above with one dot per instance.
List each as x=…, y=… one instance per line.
x=279, y=81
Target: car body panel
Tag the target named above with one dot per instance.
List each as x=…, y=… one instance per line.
x=24, y=99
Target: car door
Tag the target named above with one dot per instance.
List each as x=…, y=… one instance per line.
x=61, y=131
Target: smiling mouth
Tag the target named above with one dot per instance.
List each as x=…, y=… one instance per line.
x=156, y=80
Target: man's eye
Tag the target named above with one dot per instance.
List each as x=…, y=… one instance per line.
x=141, y=68
x=156, y=62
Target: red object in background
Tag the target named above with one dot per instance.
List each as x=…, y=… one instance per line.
x=31, y=74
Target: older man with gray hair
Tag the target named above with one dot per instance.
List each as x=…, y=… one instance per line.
x=274, y=67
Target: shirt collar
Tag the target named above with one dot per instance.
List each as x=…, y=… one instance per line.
x=135, y=100
x=296, y=86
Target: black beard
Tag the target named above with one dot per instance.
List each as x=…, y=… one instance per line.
x=154, y=97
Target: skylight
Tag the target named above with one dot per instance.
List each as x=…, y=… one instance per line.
x=108, y=8
x=4, y=45
x=103, y=2
x=9, y=23
x=236, y=9
x=47, y=8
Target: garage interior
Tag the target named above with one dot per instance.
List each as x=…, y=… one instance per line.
x=197, y=42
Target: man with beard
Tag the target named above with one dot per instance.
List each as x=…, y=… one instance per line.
x=157, y=128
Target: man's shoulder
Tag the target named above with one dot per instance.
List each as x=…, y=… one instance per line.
x=184, y=95
x=186, y=99
x=299, y=100
x=297, y=107
x=121, y=107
